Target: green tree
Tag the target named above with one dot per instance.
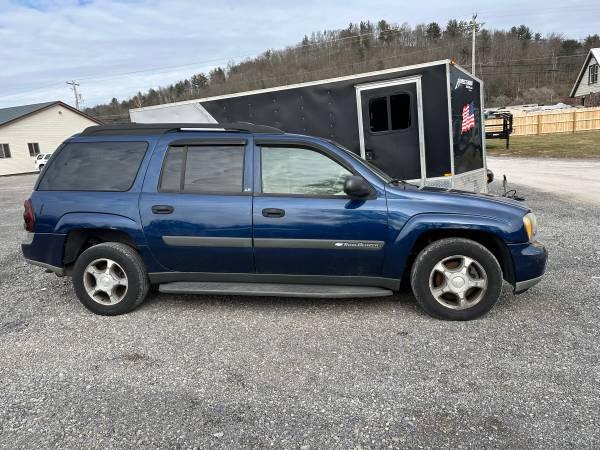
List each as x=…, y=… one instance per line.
x=592, y=41
x=384, y=32
x=199, y=81
x=433, y=32
x=454, y=29
x=522, y=32
x=570, y=47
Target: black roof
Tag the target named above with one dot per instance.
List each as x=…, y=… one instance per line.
x=162, y=128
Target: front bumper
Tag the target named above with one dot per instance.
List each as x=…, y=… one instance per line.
x=522, y=286
x=529, y=264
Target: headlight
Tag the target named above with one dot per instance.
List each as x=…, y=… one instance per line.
x=530, y=223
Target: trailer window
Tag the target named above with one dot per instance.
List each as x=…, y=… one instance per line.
x=378, y=114
x=389, y=113
x=400, y=111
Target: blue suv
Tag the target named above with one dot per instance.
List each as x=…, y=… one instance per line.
x=249, y=210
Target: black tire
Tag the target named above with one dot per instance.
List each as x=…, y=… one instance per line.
x=133, y=267
x=445, y=248
x=40, y=167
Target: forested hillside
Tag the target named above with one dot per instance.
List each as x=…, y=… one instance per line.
x=518, y=65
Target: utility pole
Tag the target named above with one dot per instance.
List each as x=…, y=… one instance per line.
x=473, y=31
x=74, y=85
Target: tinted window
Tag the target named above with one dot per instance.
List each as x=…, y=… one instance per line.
x=287, y=170
x=400, y=111
x=94, y=166
x=207, y=169
x=378, y=114
x=214, y=169
x=389, y=113
x=171, y=174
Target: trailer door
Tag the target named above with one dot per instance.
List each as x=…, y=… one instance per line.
x=390, y=124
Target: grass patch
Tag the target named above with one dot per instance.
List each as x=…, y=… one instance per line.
x=583, y=144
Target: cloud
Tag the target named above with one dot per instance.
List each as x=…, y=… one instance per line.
x=45, y=43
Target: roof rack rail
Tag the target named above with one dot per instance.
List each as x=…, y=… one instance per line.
x=162, y=128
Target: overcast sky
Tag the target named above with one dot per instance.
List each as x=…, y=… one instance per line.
x=115, y=48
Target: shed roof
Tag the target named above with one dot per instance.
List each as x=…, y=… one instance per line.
x=595, y=52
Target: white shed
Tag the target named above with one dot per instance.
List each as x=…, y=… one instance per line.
x=27, y=130
x=587, y=85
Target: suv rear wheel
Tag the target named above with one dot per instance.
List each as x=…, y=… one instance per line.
x=110, y=279
x=456, y=279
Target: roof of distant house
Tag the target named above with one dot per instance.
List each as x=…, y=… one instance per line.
x=13, y=113
x=595, y=52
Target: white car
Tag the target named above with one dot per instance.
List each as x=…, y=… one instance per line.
x=41, y=160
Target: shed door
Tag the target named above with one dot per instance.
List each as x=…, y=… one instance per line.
x=391, y=128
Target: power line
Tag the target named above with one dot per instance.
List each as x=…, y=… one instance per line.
x=168, y=68
x=319, y=44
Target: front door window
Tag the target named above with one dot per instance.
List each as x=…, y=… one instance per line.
x=302, y=172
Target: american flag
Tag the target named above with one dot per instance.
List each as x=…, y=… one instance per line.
x=468, y=117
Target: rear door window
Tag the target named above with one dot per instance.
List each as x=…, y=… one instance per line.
x=204, y=169
x=94, y=166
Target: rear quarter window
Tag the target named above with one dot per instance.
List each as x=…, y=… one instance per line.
x=94, y=166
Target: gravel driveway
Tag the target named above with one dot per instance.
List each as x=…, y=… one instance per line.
x=571, y=179
x=184, y=372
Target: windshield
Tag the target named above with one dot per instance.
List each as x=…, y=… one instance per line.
x=376, y=170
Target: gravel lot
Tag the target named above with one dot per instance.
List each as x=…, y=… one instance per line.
x=571, y=179
x=184, y=372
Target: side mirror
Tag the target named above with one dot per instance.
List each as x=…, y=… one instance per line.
x=490, y=176
x=357, y=187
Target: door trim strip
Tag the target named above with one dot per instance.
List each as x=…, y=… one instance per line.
x=326, y=244
x=203, y=241
x=235, y=242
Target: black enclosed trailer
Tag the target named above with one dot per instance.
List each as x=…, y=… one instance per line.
x=422, y=123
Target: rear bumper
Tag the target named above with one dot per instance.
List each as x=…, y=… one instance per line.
x=60, y=271
x=45, y=250
x=529, y=263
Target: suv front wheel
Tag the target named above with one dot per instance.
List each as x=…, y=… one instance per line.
x=456, y=279
x=110, y=279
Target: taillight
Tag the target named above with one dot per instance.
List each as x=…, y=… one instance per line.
x=28, y=216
